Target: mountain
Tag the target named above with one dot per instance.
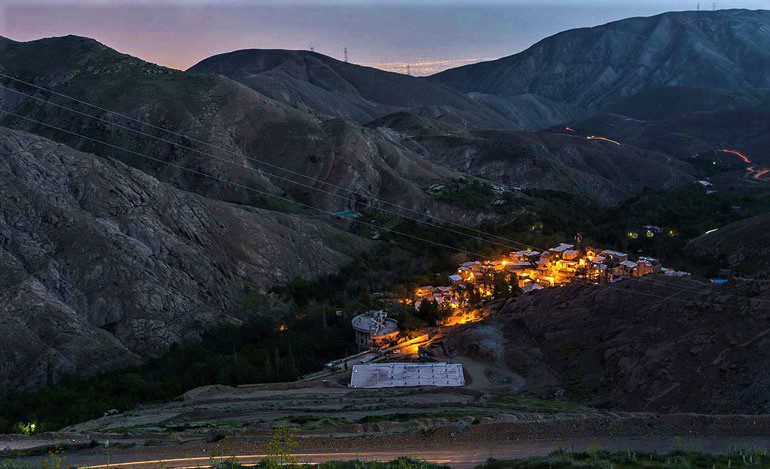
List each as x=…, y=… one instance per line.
x=591, y=67
x=340, y=89
x=647, y=344
x=529, y=111
x=603, y=171
x=208, y=108
x=685, y=121
x=104, y=266
x=675, y=101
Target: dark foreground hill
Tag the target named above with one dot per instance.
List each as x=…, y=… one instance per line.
x=590, y=67
x=652, y=344
x=104, y=266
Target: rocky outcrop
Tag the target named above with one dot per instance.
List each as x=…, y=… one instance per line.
x=102, y=266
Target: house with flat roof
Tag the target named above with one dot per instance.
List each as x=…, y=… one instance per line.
x=374, y=329
x=392, y=375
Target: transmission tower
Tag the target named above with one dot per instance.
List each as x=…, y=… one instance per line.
x=407, y=70
x=312, y=49
x=346, y=54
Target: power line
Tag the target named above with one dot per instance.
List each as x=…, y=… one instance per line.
x=241, y=186
x=693, y=289
x=267, y=194
x=240, y=155
x=343, y=197
x=259, y=161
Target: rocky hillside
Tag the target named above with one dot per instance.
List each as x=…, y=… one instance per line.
x=211, y=109
x=104, y=266
x=603, y=171
x=590, y=67
x=686, y=121
x=340, y=89
x=529, y=111
x=652, y=344
x=744, y=244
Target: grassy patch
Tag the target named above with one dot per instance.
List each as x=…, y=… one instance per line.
x=407, y=416
x=533, y=404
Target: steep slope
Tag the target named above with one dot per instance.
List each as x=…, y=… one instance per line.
x=342, y=89
x=529, y=111
x=102, y=266
x=212, y=109
x=744, y=244
x=589, y=67
x=652, y=344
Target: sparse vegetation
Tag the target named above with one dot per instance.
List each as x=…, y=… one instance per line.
x=631, y=459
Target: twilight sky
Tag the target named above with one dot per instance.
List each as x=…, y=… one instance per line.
x=428, y=34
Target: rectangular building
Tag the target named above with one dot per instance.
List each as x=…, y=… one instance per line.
x=392, y=375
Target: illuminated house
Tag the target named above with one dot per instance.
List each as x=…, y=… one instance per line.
x=559, y=250
x=614, y=255
x=374, y=329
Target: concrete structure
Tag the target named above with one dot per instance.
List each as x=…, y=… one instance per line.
x=374, y=329
x=391, y=375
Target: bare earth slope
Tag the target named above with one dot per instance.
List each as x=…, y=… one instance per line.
x=102, y=265
x=664, y=348
x=211, y=109
x=589, y=67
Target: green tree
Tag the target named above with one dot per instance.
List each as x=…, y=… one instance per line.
x=280, y=449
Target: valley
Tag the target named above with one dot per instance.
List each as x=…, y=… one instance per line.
x=565, y=246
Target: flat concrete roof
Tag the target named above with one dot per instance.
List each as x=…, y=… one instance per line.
x=391, y=375
x=366, y=323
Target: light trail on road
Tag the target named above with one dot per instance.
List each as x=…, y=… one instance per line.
x=754, y=171
x=303, y=458
x=596, y=137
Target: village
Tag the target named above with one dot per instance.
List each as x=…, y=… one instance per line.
x=475, y=283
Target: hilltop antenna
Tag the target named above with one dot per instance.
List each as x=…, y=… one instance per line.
x=407, y=70
x=312, y=49
x=346, y=54
x=714, y=6
x=698, y=8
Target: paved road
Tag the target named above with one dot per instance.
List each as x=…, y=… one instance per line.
x=455, y=454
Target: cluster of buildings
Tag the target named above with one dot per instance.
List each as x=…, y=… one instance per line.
x=534, y=270
x=529, y=270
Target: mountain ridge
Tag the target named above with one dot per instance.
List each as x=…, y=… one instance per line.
x=589, y=67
